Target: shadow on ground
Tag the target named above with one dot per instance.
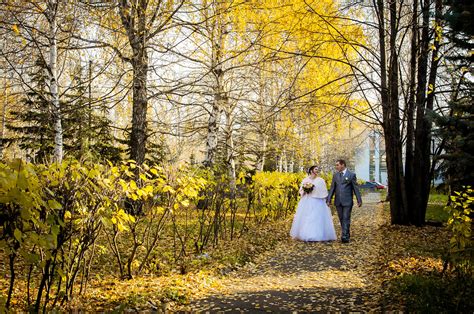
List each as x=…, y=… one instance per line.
x=289, y=301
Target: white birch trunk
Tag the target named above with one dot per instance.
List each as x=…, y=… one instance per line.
x=54, y=89
x=212, y=134
x=4, y=112
x=262, y=154
x=291, y=166
x=230, y=151
x=217, y=42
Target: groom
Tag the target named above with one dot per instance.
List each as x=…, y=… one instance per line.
x=344, y=185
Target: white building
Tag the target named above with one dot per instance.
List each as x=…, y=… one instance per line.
x=369, y=159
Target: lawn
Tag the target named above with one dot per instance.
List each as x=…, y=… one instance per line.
x=415, y=268
x=436, y=198
x=435, y=211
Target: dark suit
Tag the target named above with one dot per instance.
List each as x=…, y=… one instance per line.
x=344, y=187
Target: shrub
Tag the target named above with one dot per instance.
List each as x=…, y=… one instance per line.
x=460, y=224
x=276, y=194
x=57, y=220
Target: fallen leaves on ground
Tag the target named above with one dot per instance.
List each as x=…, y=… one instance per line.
x=283, y=275
x=331, y=276
x=308, y=276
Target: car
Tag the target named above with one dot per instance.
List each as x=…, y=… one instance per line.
x=379, y=186
x=372, y=185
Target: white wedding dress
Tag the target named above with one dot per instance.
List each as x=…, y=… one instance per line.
x=313, y=219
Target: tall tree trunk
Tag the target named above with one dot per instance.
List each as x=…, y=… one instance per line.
x=218, y=35
x=291, y=165
x=140, y=105
x=53, y=80
x=262, y=126
x=410, y=110
x=409, y=182
x=213, y=132
x=4, y=113
x=420, y=159
x=230, y=150
x=133, y=19
x=261, y=155
x=391, y=117
x=424, y=104
x=89, y=102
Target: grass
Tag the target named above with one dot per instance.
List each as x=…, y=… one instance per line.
x=436, y=213
x=434, y=294
x=414, y=265
x=415, y=280
x=438, y=198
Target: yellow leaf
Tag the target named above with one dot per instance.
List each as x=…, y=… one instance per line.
x=159, y=210
x=430, y=88
x=169, y=189
x=16, y=29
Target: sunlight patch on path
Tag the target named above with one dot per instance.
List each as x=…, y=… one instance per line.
x=318, y=279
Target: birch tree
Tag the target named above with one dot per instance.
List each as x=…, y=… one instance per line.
x=36, y=23
x=51, y=16
x=138, y=24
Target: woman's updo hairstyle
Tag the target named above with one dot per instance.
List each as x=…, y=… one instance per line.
x=311, y=169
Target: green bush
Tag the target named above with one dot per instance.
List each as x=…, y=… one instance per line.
x=460, y=224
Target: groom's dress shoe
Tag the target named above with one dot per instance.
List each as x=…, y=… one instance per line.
x=345, y=240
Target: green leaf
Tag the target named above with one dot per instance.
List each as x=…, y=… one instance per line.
x=17, y=233
x=53, y=204
x=55, y=230
x=25, y=214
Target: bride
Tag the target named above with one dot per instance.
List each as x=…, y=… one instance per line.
x=313, y=219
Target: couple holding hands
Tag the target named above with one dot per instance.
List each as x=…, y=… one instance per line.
x=313, y=219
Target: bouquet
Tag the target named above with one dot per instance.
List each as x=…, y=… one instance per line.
x=308, y=187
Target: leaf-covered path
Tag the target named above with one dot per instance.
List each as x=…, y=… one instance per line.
x=298, y=276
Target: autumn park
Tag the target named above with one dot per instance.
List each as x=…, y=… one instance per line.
x=168, y=156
